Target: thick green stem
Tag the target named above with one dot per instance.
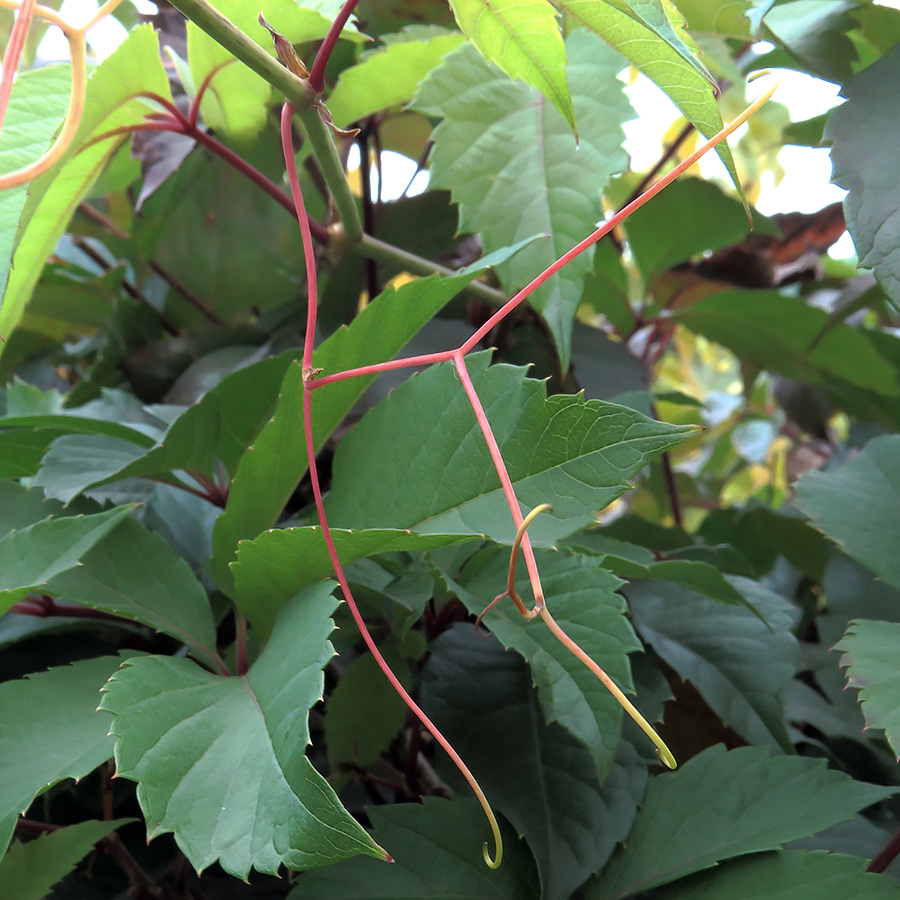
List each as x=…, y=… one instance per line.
x=372, y=248
x=226, y=33
x=326, y=155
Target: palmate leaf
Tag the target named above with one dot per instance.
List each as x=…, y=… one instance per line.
x=522, y=38
x=50, y=730
x=109, y=104
x=724, y=804
x=418, y=460
x=739, y=663
x=29, y=871
x=390, y=75
x=30, y=557
x=582, y=598
x=785, y=875
x=641, y=31
x=280, y=562
x=221, y=762
x=267, y=474
x=862, y=132
x=435, y=858
x=871, y=650
x=856, y=506
x=513, y=166
x=542, y=779
x=135, y=573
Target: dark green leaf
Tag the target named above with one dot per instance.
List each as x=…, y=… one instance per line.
x=437, y=856
x=738, y=664
x=514, y=168
x=856, y=506
x=539, y=777
x=220, y=762
x=723, y=804
x=582, y=598
x=576, y=455
x=29, y=871
x=785, y=875
x=135, y=574
x=50, y=730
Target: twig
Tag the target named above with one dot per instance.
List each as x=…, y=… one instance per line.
x=317, y=73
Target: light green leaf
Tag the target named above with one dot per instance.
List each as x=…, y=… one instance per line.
x=280, y=562
x=29, y=870
x=271, y=469
x=522, y=38
x=781, y=334
x=725, y=17
x=515, y=170
x=723, y=804
x=29, y=558
x=576, y=455
x=436, y=857
x=110, y=103
x=582, y=598
x=740, y=666
x=856, y=506
x=871, y=651
x=785, y=875
x=135, y=574
x=220, y=762
x=236, y=100
x=667, y=62
x=542, y=779
x=388, y=77
x=36, y=108
x=50, y=730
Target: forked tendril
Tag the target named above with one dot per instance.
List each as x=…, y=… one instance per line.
x=540, y=608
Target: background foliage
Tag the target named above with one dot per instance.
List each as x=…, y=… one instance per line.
x=713, y=415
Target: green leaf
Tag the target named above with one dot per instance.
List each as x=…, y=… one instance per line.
x=21, y=451
x=68, y=423
x=220, y=762
x=237, y=99
x=110, y=103
x=514, y=168
x=280, y=562
x=268, y=473
x=779, y=334
x=656, y=50
x=21, y=506
x=36, y=107
x=30, y=557
x=726, y=17
x=135, y=574
x=785, y=875
x=576, y=455
x=856, y=506
x=436, y=857
x=364, y=712
x=542, y=779
x=29, y=870
x=582, y=598
x=50, y=730
x=75, y=462
x=870, y=655
x=688, y=218
x=861, y=132
x=740, y=666
x=522, y=38
x=723, y=804
x=391, y=75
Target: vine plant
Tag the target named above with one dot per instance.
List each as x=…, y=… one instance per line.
x=263, y=708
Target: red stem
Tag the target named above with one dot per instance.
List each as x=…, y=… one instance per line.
x=308, y=346
x=13, y=54
x=317, y=75
x=887, y=855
